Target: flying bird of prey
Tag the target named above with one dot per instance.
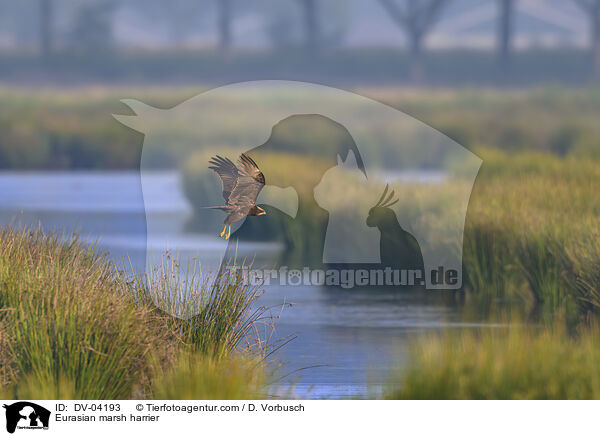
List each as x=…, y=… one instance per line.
x=241, y=186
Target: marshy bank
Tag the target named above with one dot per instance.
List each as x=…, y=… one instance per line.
x=73, y=327
x=532, y=261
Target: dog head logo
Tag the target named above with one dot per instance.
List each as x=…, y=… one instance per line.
x=327, y=155
x=26, y=415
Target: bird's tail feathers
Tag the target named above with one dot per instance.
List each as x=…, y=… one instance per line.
x=215, y=207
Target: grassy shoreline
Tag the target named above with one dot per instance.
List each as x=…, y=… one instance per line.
x=517, y=362
x=71, y=323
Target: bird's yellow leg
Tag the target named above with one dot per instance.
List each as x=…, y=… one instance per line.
x=228, y=232
x=223, y=232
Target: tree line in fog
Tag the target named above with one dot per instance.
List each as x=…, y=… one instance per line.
x=88, y=25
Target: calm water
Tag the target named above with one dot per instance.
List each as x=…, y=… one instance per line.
x=349, y=338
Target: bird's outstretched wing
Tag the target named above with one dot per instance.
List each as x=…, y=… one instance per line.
x=228, y=173
x=249, y=167
x=249, y=183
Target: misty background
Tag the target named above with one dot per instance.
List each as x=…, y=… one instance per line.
x=334, y=41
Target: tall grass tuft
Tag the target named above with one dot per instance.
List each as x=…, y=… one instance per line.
x=211, y=313
x=71, y=318
x=542, y=267
x=583, y=258
x=71, y=323
x=485, y=259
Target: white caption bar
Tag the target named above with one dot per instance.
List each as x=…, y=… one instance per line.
x=297, y=417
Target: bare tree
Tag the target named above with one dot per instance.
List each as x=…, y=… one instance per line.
x=416, y=18
x=92, y=29
x=224, y=23
x=592, y=9
x=311, y=26
x=46, y=28
x=505, y=31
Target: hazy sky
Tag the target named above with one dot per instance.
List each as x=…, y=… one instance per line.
x=356, y=23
